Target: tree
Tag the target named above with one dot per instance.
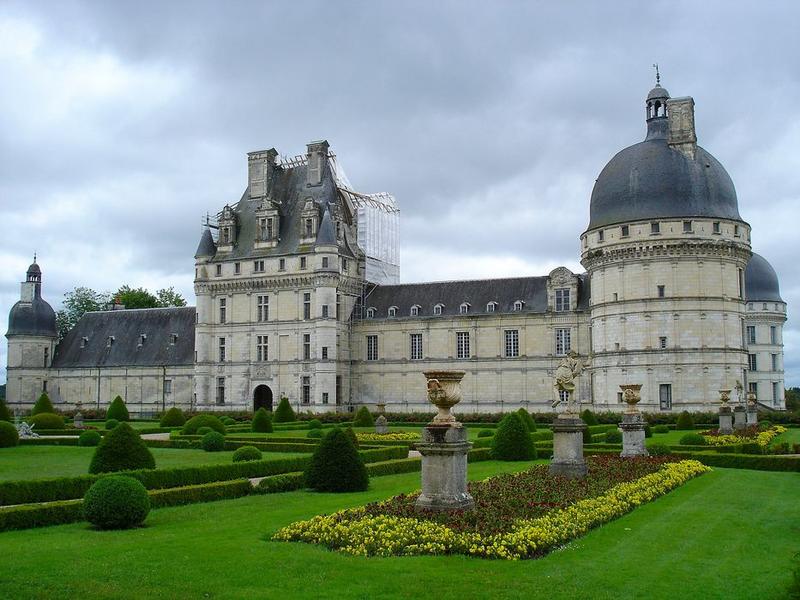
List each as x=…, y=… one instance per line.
x=169, y=297
x=43, y=405
x=76, y=303
x=793, y=399
x=135, y=298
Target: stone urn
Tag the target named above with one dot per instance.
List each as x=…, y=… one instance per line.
x=751, y=400
x=724, y=397
x=444, y=392
x=631, y=394
x=381, y=408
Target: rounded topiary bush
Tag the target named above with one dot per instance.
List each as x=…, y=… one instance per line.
x=314, y=433
x=648, y=431
x=246, y=453
x=527, y=419
x=262, y=421
x=43, y=405
x=9, y=436
x=204, y=430
x=693, y=439
x=659, y=450
x=512, y=440
x=111, y=424
x=196, y=422
x=174, y=417
x=284, y=412
x=122, y=449
x=589, y=418
x=660, y=429
x=5, y=413
x=484, y=433
x=89, y=438
x=336, y=465
x=613, y=436
x=315, y=424
x=47, y=421
x=685, y=421
x=765, y=424
x=117, y=410
x=116, y=502
x=587, y=436
x=363, y=418
x=213, y=441
x=226, y=420
x=353, y=437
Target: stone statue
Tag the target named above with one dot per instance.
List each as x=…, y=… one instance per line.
x=26, y=431
x=567, y=371
x=738, y=395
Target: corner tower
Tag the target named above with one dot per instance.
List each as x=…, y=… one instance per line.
x=666, y=252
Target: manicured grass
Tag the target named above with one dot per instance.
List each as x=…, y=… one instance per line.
x=792, y=436
x=472, y=432
x=727, y=534
x=671, y=438
x=38, y=462
x=134, y=424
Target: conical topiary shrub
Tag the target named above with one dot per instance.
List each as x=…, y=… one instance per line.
x=363, y=418
x=174, y=417
x=121, y=450
x=527, y=419
x=43, y=405
x=5, y=413
x=352, y=435
x=512, y=440
x=284, y=412
x=685, y=421
x=117, y=410
x=336, y=466
x=589, y=418
x=262, y=421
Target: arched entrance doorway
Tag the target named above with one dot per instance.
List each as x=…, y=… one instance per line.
x=262, y=398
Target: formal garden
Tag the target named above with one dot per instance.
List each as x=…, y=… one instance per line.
x=286, y=504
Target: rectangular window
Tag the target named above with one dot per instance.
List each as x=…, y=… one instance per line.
x=258, y=266
x=665, y=396
x=416, y=346
x=562, y=299
x=307, y=305
x=563, y=342
x=306, y=346
x=44, y=385
x=619, y=397
x=752, y=363
x=661, y=291
x=282, y=264
x=600, y=235
x=716, y=228
x=270, y=229
x=168, y=386
x=338, y=307
x=344, y=265
x=262, y=348
x=462, y=344
x=773, y=335
x=776, y=393
x=325, y=311
x=741, y=283
x=324, y=262
x=220, y=390
x=306, y=390
x=219, y=271
x=655, y=228
x=222, y=349
x=223, y=308
x=751, y=334
x=46, y=356
x=237, y=268
x=338, y=391
x=309, y=228
x=303, y=262
x=262, y=306
x=736, y=230
x=625, y=231
x=687, y=227
x=752, y=386
x=512, y=343
x=324, y=397
x=774, y=362
x=372, y=347
x=662, y=342
x=324, y=353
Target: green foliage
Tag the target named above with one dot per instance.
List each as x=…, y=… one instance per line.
x=169, y=297
x=792, y=396
x=111, y=424
x=203, y=430
x=43, y=405
x=613, y=436
x=485, y=433
x=287, y=482
x=587, y=436
x=765, y=424
x=659, y=450
x=648, y=431
x=174, y=417
x=117, y=410
x=262, y=421
x=121, y=450
x=192, y=425
x=205, y=492
x=336, y=465
x=363, y=418
x=660, y=429
x=5, y=413
x=527, y=419
x=589, y=418
x=692, y=439
x=213, y=441
x=685, y=422
x=314, y=433
x=89, y=438
x=8, y=435
x=116, y=502
x=135, y=298
x=352, y=435
x=247, y=453
x=512, y=440
x=315, y=424
x=751, y=448
x=46, y=421
x=76, y=303
x=284, y=412
x=226, y=420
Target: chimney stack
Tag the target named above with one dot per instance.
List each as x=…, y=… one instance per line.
x=681, y=135
x=317, y=154
x=259, y=172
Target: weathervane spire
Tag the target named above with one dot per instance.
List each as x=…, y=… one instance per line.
x=658, y=75
x=34, y=256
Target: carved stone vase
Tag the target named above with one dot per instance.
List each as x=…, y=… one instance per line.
x=444, y=392
x=632, y=395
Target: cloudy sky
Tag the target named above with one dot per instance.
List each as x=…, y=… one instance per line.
x=121, y=124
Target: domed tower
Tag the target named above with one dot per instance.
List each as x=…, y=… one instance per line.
x=32, y=336
x=765, y=316
x=666, y=252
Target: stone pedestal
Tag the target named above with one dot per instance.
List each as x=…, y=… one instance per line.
x=632, y=427
x=381, y=426
x=77, y=420
x=568, y=447
x=725, y=420
x=444, y=451
x=752, y=417
x=739, y=418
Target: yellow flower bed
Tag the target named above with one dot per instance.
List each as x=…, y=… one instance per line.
x=763, y=438
x=400, y=436
x=354, y=532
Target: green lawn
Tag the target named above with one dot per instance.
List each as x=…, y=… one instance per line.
x=728, y=534
x=37, y=462
x=792, y=436
x=472, y=432
x=134, y=424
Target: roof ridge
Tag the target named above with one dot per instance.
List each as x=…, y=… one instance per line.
x=465, y=280
x=128, y=310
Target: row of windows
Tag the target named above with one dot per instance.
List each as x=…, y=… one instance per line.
x=752, y=362
x=259, y=266
x=655, y=229
x=305, y=390
x=262, y=348
x=750, y=334
x=563, y=344
x=262, y=308
x=173, y=339
x=778, y=307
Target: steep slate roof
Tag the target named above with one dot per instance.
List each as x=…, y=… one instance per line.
x=206, y=247
x=761, y=281
x=32, y=318
x=478, y=293
x=158, y=324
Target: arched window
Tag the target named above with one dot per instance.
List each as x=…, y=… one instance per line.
x=464, y=308
x=370, y=313
x=491, y=306
x=392, y=311
x=415, y=310
x=437, y=310
x=518, y=305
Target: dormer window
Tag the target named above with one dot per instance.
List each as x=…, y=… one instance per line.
x=518, y=304
x=84, y=342
x=437, y=310
x=370, y=313
x=491, y=306
x=392, y=311
x=173, y=338
x=415, y=310
x=110, y=341
x=562, y=300
x=142, y=339
x=464, y=308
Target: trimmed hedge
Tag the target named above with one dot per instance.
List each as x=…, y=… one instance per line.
x=174, y=417
x=206, y=492
x=336, y=465
x=9, y=437
x=5, y=412
x=213, y=441
x=201, y=431
x=527, y=419
x=247, y=453
x=117, y=410
x=613, y=436
x=286, y=482
x=685, y=422
x=116, y=502
x=262, y=421
x=589, y=418
x=660, y=429
x=43, y=405
x=202, y=420
x=89, y=438
x=692, y=439
x=659, y=450
x=315, y=434
x=513, y=440
x=122, y=449
x=485, y=433
x=765, y=462
x=46, y=420
x=111, y=424
x=315, y=424
x=363, y=418
x=284, y=413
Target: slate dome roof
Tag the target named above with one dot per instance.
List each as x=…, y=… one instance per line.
x=761, y=281
x=34, y=318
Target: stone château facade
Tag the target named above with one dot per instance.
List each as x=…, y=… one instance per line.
x=295, y=297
